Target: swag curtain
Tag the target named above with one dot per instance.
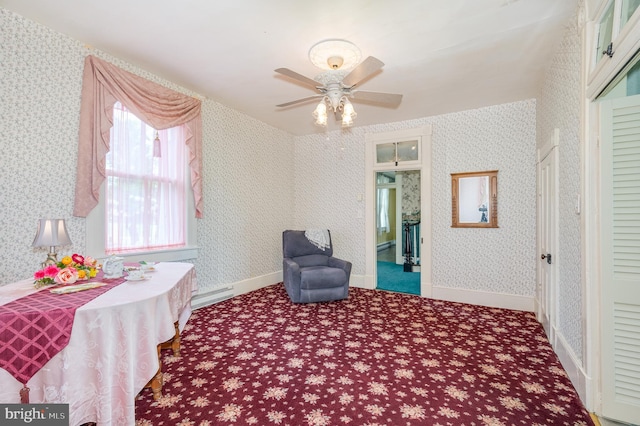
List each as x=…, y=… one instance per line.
x=102, y=85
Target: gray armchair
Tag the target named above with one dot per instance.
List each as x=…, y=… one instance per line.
x=311, y=274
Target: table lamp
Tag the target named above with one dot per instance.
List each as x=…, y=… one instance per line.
x=51, y=233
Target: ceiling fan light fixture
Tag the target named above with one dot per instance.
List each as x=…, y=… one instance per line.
x=344, y=70
x=320, y=114
x=332, y=54
x=348, y=113
x=335, y=62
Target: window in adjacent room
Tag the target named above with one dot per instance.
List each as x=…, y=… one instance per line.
x=145, y=194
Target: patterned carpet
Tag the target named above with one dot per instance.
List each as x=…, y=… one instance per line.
x=377, y=358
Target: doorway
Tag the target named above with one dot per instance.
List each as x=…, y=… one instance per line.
x=398, y=231
x=403, y=152
x=547, y=288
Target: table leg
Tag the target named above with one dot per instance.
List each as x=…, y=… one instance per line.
x=156, y=382
x=174, y=342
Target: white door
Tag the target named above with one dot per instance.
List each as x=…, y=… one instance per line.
x=620, y=254
x=547, y=236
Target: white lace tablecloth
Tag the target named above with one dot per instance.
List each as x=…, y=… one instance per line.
x=112, y=353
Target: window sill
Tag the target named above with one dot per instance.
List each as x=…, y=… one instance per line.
x=169, y=255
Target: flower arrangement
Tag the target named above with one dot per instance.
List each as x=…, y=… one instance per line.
x=69, y=270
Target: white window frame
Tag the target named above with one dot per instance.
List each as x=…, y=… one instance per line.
x=626, y=41
x=95, y=232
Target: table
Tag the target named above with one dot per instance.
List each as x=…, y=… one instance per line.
x=113, y=350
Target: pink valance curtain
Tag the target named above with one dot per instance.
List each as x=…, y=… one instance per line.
x=103, y=84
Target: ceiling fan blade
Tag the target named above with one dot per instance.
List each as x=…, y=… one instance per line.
x=299, y=101
x=362, y=71
x=378, y=97
x=301, y=78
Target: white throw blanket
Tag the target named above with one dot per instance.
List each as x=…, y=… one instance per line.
x=318, y=237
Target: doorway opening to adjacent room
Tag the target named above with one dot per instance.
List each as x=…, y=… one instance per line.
x=398, y=231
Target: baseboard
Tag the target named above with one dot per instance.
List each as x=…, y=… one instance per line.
x=256, y=283
x=218, y=294
x=362, y=281
x=496, y=300
x=572, y=365
x=484, y=298
x=385, y=245
x=209, y=297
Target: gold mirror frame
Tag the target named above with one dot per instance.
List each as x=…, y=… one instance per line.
x=491, y=204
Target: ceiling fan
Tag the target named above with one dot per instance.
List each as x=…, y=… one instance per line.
x=336, y=86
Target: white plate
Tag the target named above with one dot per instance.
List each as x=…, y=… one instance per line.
x=142, y=278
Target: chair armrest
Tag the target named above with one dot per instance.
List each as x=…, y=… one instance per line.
x=289, y=264
x=334, y=262
x=290, y=272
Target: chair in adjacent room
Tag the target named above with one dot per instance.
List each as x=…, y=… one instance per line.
x=310, y=272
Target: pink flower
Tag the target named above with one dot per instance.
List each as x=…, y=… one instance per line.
x=67, y=275
x=38, y=275
x=77, y=259
x=51, y=271
x=90, y=261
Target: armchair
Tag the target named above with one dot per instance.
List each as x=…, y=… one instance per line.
x=311, y=274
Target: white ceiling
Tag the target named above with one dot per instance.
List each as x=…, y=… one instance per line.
x=442, y=55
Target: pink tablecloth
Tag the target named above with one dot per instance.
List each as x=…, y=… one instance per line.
x=112, y=351
x=34, y=328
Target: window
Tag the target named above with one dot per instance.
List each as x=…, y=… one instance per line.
x=626, y=82
x=145, y=196
x=628, y=8
x=395, y=152
x=615, y=17
x=383, y=222
x=605, y=32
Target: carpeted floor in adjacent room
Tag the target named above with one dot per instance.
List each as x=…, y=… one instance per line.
x=392, y=277
x=377, y=358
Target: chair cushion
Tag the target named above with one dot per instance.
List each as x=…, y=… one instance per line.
x=314, y=277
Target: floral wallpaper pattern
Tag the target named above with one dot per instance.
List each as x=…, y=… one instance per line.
x=41, y=85
x=499, y=137
x=249, y=196
x=559, y=107
x=411, y=194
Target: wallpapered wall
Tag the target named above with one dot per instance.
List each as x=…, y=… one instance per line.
x=410, y=193
x=41, y=86
x=330, y=180
x=559, y=107
x=249, y=197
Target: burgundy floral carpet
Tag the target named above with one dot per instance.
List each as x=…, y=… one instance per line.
x=377, y=358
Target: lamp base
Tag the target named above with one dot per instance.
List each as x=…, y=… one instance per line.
x=52, y=258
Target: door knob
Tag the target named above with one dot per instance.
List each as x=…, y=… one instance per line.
x=546, y=256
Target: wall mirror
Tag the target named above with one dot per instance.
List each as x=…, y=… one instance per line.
x=474, y=199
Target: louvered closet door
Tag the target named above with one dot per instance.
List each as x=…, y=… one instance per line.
x=620, y=284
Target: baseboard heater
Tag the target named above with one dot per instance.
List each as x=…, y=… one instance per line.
x=211, y=297
x=385, y=245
